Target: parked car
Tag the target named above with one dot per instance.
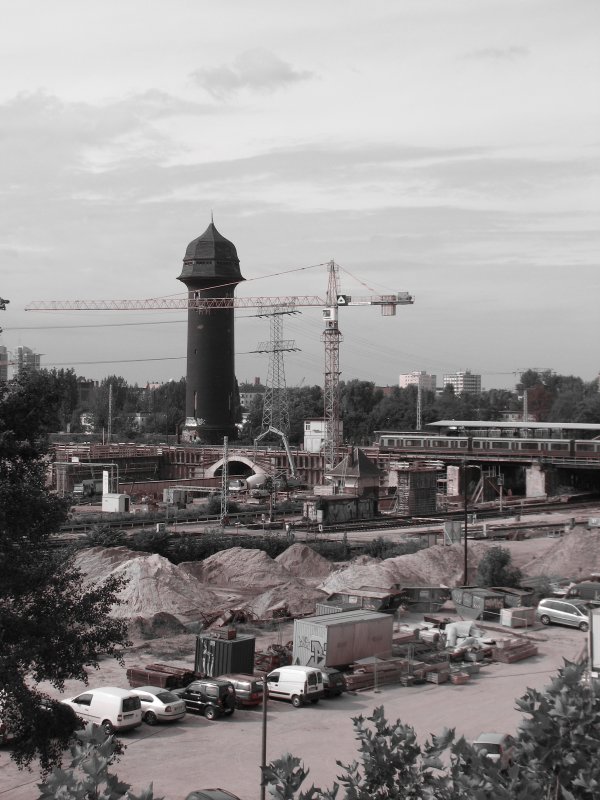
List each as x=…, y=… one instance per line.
x=159, y=705
x=333, y=682
x=110, y=707
x=212, y=697
x=297, y=684
x=498, y=747
x=248, y=689
x=565, y=612
x=211, y=794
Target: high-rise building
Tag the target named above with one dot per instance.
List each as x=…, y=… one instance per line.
x=27, y=361
x=426, y=381
x=464, y=382
x=211, y=267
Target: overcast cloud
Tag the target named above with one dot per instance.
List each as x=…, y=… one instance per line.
x=445, y=147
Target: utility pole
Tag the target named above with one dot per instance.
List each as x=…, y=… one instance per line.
x=109, y=432
x=276, y=407
x=225, y=481
x=419, y=404
x=466, y=512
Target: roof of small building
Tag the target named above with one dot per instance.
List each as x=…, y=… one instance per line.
x=355, y=465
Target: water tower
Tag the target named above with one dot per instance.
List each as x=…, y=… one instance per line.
x=211, y=264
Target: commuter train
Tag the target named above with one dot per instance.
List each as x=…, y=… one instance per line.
x=490, y=445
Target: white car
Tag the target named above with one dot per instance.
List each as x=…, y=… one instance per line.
x=497, y=747
x=159, y=705
x=110, y=707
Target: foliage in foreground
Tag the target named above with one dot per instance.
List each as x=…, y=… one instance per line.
x=555, y=756
x=52, y=624
x=87, y=776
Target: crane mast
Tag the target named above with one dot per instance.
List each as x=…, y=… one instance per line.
x=332, y=337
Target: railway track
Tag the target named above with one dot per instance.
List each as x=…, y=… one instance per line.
x=74, y=532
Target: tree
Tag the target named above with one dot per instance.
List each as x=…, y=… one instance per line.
x=52, y=625
x=495, y=569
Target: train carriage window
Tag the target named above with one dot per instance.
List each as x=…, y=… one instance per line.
x=528, y=445
x=558, y=446
x=586, y=447
x=501, y=444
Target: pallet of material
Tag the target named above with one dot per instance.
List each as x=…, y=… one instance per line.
x=508, y=655
x=459, y=678
x=441, y=676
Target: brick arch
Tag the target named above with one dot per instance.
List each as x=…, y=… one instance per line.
x=211, y=472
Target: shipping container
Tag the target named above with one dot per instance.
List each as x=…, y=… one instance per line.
x=336, y=640
x=217, y=656
x=332, y=608
x=477, y=603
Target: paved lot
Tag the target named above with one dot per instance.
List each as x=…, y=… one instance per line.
x=196, y=753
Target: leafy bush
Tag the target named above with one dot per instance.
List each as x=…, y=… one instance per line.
x=495, y=569
x=384, y=548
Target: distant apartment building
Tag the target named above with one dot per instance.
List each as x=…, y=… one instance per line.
x=249, y=392
x=464, y=382
x=3, y=364
x=27, y=361
x=422, y=379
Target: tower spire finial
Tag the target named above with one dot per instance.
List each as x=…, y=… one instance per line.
x=212, y=222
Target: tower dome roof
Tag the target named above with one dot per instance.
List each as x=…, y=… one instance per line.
x=211, y=257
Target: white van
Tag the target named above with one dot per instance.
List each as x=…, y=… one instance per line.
x=111, y=708
x=297, y=684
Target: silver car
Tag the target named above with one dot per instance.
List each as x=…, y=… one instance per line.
x=159, y=705
x=564, y=612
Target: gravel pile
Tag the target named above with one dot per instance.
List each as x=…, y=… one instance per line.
x=243, y=568
x=576, y=554
x=302, y=561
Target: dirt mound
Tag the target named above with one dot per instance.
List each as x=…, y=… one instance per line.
x=575, y=555
x=243, y=567
x=303, y=562
x=97, y=563
x=293, y=599
x=434, y=566
x=156, y=627
x=155, y=585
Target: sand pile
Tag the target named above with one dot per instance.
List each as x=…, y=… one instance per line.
x=98, y=562
x=302, y=561
x=293, y=598
x=434, y=566
x=154, y=584
x=575, y=555
x=243, y=568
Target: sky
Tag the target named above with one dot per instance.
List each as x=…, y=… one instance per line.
x=448, y=148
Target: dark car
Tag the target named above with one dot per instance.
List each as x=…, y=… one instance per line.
x=212, y=697
x=248, y=689
x=333, y=682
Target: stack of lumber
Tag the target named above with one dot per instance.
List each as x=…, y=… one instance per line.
x=367, y=672
x=510, y=650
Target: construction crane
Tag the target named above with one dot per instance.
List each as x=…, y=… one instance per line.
x=332, y=336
